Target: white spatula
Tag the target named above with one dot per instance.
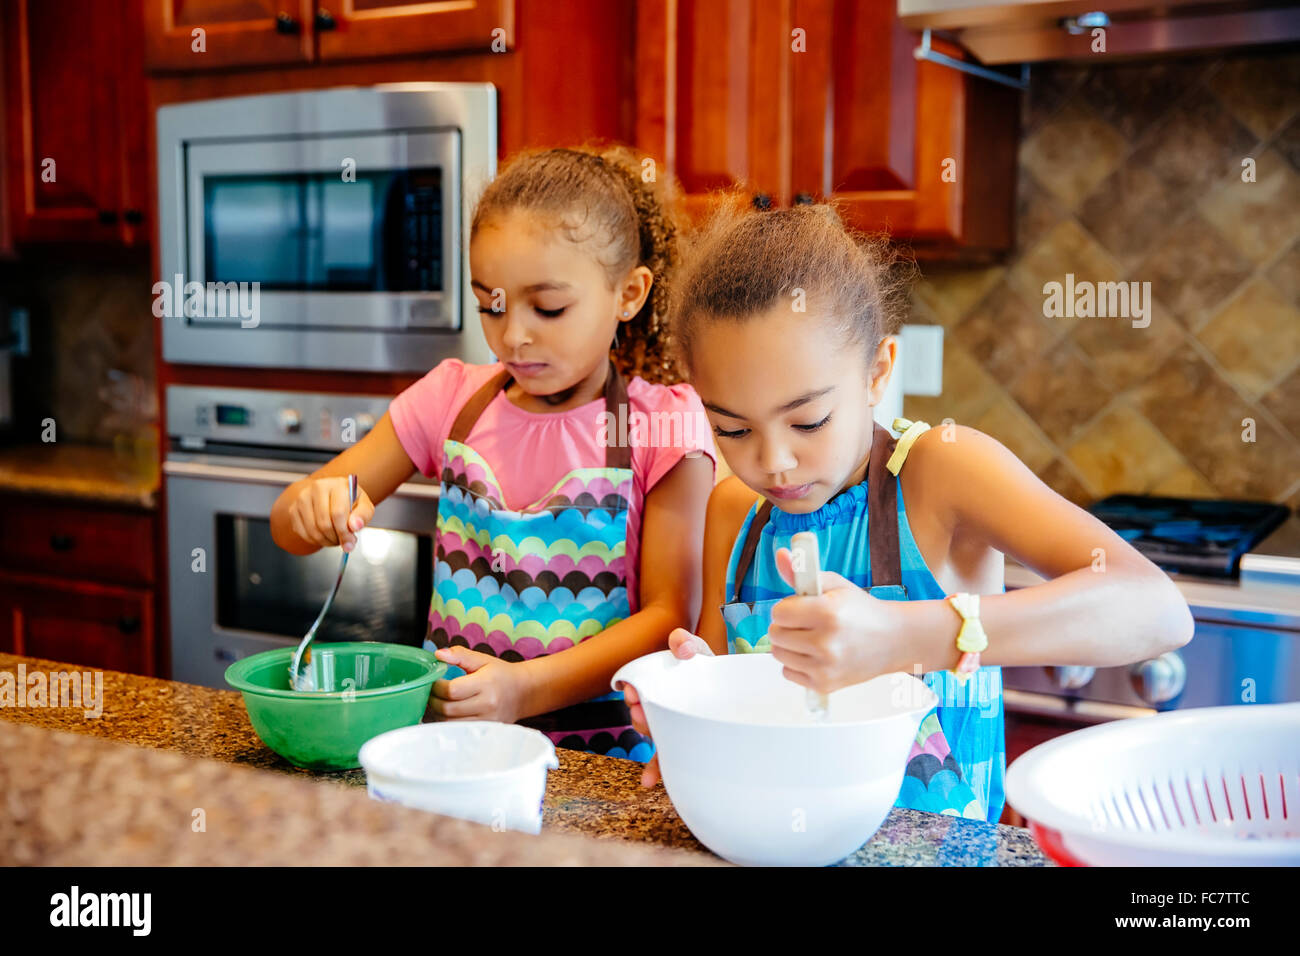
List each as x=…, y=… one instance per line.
x=807, y=565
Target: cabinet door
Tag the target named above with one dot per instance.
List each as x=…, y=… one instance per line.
x=88, y=625
x=713, y=94
x=353, y=29
x=63, y=142
x=913, y=148
x=232, y=33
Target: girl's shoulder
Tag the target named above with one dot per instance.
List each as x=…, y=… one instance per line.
x=671, y=424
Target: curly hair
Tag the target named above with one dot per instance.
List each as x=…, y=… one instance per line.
x=604, y=196
x=743, y=263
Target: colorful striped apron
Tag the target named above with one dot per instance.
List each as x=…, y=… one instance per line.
x=969, y=717
x=523, y=584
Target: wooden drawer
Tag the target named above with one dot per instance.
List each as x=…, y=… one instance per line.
x=87, y=625
x=77, y=541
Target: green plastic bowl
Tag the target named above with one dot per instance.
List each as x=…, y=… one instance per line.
x=324, y=729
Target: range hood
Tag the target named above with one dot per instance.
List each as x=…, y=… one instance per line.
x=1027, y=31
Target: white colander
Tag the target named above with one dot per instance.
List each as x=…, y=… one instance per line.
x=1211, y=786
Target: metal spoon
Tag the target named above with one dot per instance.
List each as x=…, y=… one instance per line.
x=304, y=680
x=807, y=563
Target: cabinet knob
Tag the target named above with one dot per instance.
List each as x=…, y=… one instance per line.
x=133, y=216
x=804, y=199
x=62, y=542
x=325, y=20
x=107, y=217
x=128, y=625
x=762, y=201
x=285, y=23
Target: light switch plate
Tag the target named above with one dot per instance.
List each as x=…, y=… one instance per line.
x=923, y=370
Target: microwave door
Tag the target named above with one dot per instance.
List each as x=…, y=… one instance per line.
x=340, y=233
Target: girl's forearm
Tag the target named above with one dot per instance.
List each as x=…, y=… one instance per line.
x=1097, y=619
x=584, y=671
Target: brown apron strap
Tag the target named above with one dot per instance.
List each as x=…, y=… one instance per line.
x=617, y=455
x=472, y=409
x=882, y=520
x=882, y=512
x=751, y=545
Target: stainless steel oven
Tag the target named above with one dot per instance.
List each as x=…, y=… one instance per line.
x=232, y=591
x=324, y=228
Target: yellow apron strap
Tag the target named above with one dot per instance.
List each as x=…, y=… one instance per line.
x=911, y=431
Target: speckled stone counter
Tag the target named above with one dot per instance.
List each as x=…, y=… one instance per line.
x=84, y=472
x=597, y=797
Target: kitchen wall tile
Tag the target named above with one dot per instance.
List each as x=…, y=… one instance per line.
x=1007, y=422
x=1203, y=418
x=1285, y=274
x=1257, y=218
x=1283, y=400
x=1060, y=392
x=1124, y=354
x=1262, y=90
x=1054, y=155
x=1036, y=211
x=1173, y=212
x=1067, y=248
x=1050, y=87
x=1121, y=451
x=1184, y=482
x=1130, y=211
x=951, y=293
x=1197, y=143
x=1255, y=337
x=1004, y=333
x=1132, y=97
x=1193, y=270
x=1287, y=142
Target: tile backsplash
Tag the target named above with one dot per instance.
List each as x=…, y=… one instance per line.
x=1135, y=172
x=92, y=362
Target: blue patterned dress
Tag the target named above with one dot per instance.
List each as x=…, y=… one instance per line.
x=958, y=759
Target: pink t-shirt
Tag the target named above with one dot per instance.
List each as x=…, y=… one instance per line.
x=530, y=451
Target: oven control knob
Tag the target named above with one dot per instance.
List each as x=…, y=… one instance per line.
x=1070, y=677
x=289, y=420
x=1161, y=679
x=365, y=422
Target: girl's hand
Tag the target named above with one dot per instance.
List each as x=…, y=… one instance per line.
x=843, y=636
x=319, y=514
x=684, y=645
x=491, y=689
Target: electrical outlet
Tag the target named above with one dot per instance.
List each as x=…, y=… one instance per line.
x=923, y=370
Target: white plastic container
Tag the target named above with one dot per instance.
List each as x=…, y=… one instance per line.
x=1210, y=786
x=754, y=776
x=479, y=770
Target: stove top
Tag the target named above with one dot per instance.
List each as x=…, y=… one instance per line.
x=1198, y=536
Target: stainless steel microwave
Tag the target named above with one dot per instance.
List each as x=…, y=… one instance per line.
x=323, y=229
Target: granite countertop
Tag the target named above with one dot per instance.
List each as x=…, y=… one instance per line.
x=69, y=470
x=599, y=798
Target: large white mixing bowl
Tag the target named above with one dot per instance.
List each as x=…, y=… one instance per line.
x=754, y=776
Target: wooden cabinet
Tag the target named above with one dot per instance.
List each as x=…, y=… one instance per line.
x=196, y=35
x=77, y=584
x=215, y=34
x=80, y=623
x=75, y=136
x=804, y=100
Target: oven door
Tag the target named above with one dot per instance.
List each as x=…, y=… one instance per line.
x=340, y=232
x=233, y=592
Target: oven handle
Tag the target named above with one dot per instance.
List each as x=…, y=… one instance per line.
x=1089, y=711
x=262, y=476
